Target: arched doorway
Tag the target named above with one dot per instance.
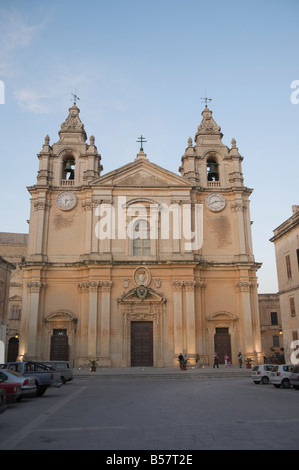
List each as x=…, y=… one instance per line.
x=13, y=349
x=61, y=329
x=222, y=343
x=222, y=338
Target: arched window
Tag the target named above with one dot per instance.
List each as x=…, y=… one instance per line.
x=212, y=169
x=141, y=238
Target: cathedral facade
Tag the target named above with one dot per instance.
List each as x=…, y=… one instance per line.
x=138, y=265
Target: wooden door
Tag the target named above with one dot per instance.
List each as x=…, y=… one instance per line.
x=222, y=344
x=141, y=343
x=59, y=348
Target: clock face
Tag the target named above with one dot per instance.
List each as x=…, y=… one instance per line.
x=215, y=202
x=66, y=200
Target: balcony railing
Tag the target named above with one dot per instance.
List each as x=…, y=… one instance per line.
x=213, y=184
x=67, y=182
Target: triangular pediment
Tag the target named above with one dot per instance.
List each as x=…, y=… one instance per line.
x=141, y=173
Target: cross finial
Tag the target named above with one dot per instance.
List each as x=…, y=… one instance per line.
x=205, y=99
x=76, y=97
x=140, y=140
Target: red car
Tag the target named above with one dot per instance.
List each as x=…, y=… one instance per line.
x=2, y=400
x=13, y=391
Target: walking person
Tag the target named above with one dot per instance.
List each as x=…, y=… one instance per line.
x=226, y=358
x=240, y=359
x=216, y=361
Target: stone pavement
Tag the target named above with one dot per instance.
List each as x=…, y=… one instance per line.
x=164, y=372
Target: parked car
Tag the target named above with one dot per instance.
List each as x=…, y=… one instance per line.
x=28, y=387
x=280, y=375
x=44, y=377
x=12, y=389
x=261, y=373
x=2, y=400
x=294, y=378
x=63, y=368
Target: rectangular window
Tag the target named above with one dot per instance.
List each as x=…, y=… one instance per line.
x=295, y=335
x=292, y=306
x=274, y=318
x=298, y=257
x=15, y=312
x=288, y=265
x=275, y=341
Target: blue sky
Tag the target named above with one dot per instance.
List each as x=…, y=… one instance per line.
x=141, y=67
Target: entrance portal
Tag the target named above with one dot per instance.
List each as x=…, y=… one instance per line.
x=222, y=343
x=141, y=343
x=59, y=346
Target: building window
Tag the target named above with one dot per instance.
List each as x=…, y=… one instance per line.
x=141, y=238
x=288, y=265
x=15, y=312
x=59, y=332
x=274, y=318
x=275, y=341
x=292, y=306
x=298, y=257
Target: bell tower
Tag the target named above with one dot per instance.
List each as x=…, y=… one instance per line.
x=70, y=161
x=209, y=163
x=225, y=261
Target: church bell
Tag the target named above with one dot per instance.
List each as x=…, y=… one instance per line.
x=68, y=166
x=69, y=170
x=213, y=171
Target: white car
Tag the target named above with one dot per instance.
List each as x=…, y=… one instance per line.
x=294, y=379
x=261, y=373
x=280, y=375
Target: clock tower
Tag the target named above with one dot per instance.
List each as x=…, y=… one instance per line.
x=226, y=257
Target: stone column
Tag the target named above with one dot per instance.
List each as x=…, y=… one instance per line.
x=190, y=321
x=105, y=322
x=177, y=318
x=244, y=288
x=92, y=319
x=34, y=290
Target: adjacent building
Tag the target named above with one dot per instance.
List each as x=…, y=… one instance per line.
x=286, y=242
x=5, y=272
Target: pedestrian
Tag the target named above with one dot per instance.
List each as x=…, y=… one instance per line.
x=226, y=359
x=197, y=360
x=181, y=360
x=215, y=361
x=240, y=359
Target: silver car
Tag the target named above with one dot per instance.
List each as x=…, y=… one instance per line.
x=28, y=387
x=261, y=373
x=294, y=377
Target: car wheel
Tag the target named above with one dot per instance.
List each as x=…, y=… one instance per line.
x=265, y=380
x=286, y=383
x=63, y=380
x=296, y=387
x=40, y=391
